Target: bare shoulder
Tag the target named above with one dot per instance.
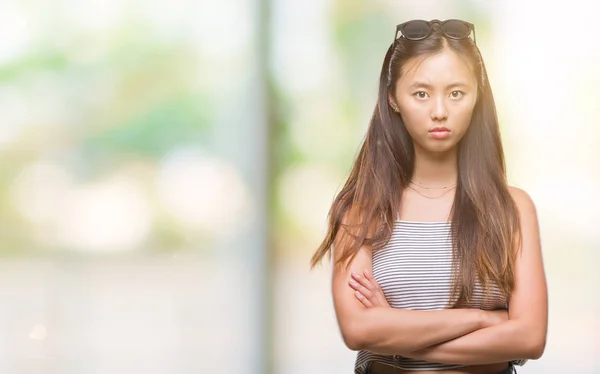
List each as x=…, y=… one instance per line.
x=530, y=231
x=524, y=202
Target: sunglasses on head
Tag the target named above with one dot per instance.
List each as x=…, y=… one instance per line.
x=420, y=29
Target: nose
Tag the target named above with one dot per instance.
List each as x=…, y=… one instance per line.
x=439, y=112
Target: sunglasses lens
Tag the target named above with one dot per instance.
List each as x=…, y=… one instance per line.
x=416, y=30
x=456, y=29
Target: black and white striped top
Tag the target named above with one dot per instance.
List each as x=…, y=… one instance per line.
x=414, y=270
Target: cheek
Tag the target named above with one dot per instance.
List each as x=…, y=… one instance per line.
x=414, y=115
x=462, y=115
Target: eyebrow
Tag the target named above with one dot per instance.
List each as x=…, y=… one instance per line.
x=429, y=86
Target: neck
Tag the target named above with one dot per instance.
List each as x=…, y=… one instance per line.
x=435, y=169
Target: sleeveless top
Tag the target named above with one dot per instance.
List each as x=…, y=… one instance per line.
x=414, y=270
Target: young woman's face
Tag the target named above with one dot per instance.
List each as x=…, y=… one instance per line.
x=435, y=96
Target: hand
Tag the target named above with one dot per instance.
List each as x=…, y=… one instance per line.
x=494, y=317
x=367, y=291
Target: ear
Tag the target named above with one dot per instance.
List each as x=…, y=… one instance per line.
x=392, y=102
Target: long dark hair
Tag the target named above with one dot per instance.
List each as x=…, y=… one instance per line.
x=485, y=221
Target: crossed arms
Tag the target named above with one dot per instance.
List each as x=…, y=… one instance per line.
x=453, y=336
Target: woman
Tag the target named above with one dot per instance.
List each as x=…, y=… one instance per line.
x=437, y=261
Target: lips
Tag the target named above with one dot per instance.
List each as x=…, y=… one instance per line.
x=439, y=132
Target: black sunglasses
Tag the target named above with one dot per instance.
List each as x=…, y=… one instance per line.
x=420, y=29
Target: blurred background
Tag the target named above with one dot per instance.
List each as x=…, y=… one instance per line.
x=166, y=169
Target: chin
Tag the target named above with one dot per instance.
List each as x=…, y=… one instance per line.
x=440, y=147
x=435, y=145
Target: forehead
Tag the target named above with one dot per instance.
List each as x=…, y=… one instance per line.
x=439, y=68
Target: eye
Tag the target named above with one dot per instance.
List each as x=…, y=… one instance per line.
x=420, y=95
x=456, y=94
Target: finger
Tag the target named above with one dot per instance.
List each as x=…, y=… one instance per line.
x=364, y=281
x=377, y=291
x=365, y=301
x=360, y=288
x=371, y=279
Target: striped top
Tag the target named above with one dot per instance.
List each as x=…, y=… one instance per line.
x=414, y=270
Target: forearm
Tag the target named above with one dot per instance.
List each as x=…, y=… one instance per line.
x=504, y=342
x=391, y=331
